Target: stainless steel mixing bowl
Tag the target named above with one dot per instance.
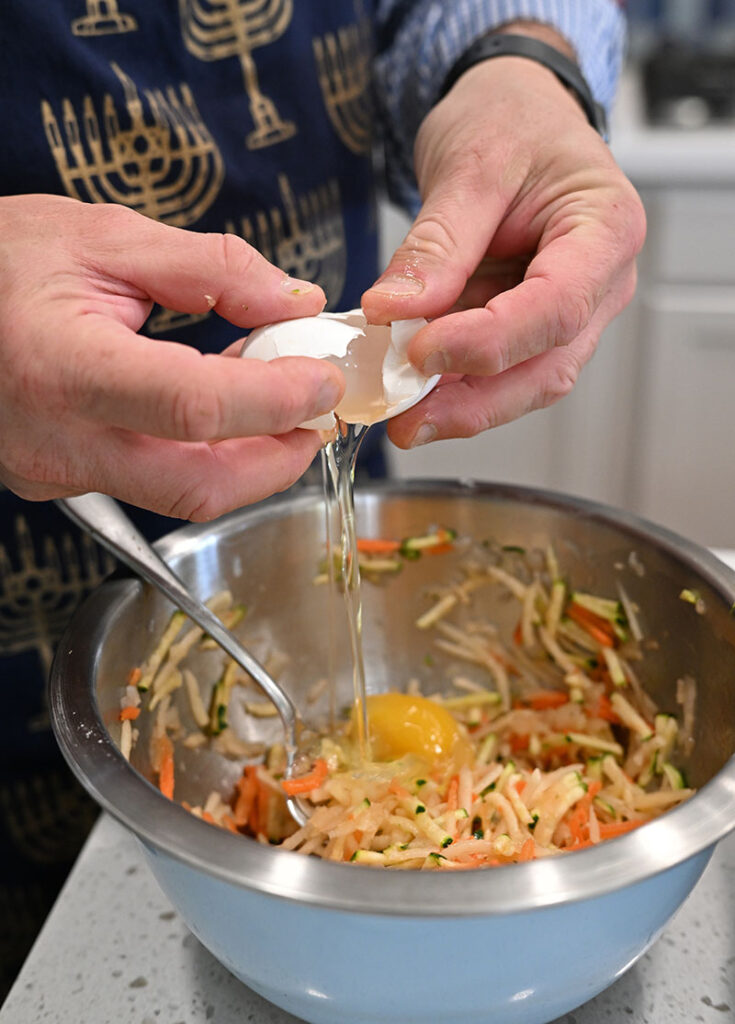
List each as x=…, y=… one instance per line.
x=334, y=943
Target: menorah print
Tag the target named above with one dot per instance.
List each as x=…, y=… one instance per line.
x=163, y=320
x=37, y=597
x=103, y=19
x=165, y=164
x=343, y=64
x=218, y=29
x=305, y=238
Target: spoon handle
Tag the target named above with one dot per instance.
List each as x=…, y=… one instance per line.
x=104, y=519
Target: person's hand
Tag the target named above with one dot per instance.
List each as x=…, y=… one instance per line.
x=522, y=253
x=87, y=404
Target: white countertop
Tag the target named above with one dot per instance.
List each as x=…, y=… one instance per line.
x=113, y=951
x=653, y=156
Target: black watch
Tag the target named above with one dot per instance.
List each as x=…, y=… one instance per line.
x=507, y=45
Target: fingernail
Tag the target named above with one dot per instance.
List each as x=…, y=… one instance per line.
x=328, y=396
x=294, y=286
x=426, y=432
x=437, y=362
x=398, y=284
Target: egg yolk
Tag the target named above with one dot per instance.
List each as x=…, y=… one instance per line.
x=401, y=723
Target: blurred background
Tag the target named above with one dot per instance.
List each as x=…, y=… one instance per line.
x=651, y=424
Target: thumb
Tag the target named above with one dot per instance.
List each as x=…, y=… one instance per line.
x=193, y=272
x=445, y=244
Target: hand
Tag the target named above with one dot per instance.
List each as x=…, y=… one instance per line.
x=86, y=404
x=522, y=253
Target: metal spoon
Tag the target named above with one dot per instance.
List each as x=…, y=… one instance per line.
x=106, y=522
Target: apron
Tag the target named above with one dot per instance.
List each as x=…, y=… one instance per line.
x=245, y=116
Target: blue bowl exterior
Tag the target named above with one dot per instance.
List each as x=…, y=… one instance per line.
x=523, y=968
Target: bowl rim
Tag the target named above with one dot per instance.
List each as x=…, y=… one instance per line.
x=676, y=836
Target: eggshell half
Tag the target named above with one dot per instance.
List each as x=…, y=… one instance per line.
x=328, y=336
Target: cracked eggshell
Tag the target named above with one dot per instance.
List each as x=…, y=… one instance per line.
x=380, y=381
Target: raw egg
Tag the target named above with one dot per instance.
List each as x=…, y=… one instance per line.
x=379, y=380
x=402, y=723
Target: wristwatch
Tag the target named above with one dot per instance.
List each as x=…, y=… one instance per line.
x=509, y=45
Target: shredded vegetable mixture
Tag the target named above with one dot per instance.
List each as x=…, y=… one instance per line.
x=546, y=743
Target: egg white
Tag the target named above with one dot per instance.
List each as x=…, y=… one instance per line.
x=330, y=335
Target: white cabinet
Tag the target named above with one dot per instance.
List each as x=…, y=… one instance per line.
x=683, y=470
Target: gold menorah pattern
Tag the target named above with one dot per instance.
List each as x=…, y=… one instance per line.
x=343, y=63
x=37, y=598
x=165, y=164
x=218, y=29
x=163, y=320
x=103, y=19
x=305, y=238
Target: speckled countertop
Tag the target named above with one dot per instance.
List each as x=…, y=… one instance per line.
x=114, y=952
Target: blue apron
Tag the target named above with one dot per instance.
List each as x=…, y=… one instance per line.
x=247, y=116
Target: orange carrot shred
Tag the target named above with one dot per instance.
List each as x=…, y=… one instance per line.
x=129, y=714
x=453, y=793
x=166, y=769
x=246, y=789
x=377, y=546
x=134, y=676
x=439, y=549
x=262, y=806
x=307, y=783
x=545, y=700
x=608, y=830
x=397, y=789
x=579, y=818
x=605, y=710
x=528, y=851
x=597, y=627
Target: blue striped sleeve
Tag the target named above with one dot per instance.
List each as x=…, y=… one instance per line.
x=420, y=40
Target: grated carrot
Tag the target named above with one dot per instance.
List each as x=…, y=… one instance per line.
x=545, y=700
x=247, y=787
x=528, y=851
x=605, y=710
x=578, y=818
x=597, y=627
x=439, y=549
x=307, y=783
x=166, y=769
x=377, y=546
x=609, y=830
x=452, y=793
x=134, y=676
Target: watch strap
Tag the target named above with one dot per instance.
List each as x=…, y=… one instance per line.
x=503, y=44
